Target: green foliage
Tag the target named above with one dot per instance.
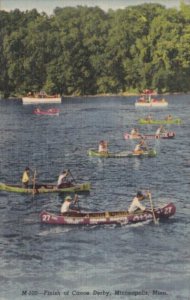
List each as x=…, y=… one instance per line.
x=84, y=50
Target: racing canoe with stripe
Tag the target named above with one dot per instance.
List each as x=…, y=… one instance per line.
x=173, y=121
x=95, y=153
x=166, y=135
x=46, y=188
x=107, y=217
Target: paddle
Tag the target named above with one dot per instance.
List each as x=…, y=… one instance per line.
x=76, y=200
x=152, y=209
x=72, y=176
x=34, y=183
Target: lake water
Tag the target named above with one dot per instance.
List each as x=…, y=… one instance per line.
x=60, y=262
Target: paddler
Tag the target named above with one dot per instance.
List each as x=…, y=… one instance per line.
x=66, y=206
x=160, y=130
x=135, y=132
x=103, y=147
x=62, y=179
x=140, y=147
x=169, y=117
x=148, y=118
x=26, y=177
x=136, y=202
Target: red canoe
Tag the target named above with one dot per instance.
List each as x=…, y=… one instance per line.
x=112, y=217
x=48, y=112
x=167, y=135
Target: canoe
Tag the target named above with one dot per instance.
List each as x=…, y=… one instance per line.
x=152, y=103
x=166, y=135
x=48, y=112
x=173, y=121
x=95, y=153
x=40, y=100
x=46, y=188
x=107, y=217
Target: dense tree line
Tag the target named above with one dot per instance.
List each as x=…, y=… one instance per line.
x=85, y=50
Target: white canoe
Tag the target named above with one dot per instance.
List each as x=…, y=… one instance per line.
x=40, y=100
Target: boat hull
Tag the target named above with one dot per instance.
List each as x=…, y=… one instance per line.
x=174, y=121
x=49, y=112
x=95, y=153
x=167, y=135
x=100, y=218
x=38, y=100
x=46, y=188
x=152, y=104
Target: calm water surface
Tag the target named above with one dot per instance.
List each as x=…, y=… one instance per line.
x=61, y=259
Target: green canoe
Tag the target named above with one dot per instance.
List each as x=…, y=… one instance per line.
x=174, y=121
x=95, y=153
x=46, y=188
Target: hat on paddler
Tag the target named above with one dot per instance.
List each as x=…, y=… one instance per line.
x=68, y=198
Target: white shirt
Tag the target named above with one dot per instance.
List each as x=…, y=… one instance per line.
x=158, y=131
x=65, y=206
x=102, y=148
x=137, y=147
x=61, y=179
x=135, y=205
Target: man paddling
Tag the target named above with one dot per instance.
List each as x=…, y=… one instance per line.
x=103, y=147
x=68, y=202
x=140, y=147
x=62, y=179
x=136, y=202
x=26, y=177
x=160, y=130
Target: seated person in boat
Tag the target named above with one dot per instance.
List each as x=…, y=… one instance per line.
x=26, y=177
x=68, y=202
x=140, y=147
x=160, y=130
x=103, y=147
x=61, y=182
x=142, y=99
x=135, y=132
x=169, y=117
x=149, y=118
x=136, y=202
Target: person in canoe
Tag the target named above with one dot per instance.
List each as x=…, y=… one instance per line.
x=160, y=130
x=26, y=177
x=149, y=118
x=136, y=202
x=62, y=179
x=140, y=147
x=68, y=203
x=135, y=132
x=103, y=147
x=169, y=117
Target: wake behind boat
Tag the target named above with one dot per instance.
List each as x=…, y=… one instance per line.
x=46, y=188
x=107, y=217
x=166, y=135
x=95, y=153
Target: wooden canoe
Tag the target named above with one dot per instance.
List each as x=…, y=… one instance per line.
x=108, y=217
x=166, y=135
x=95, y=153
x=46, y=188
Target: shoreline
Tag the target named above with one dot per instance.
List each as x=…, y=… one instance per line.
x=102, y=95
